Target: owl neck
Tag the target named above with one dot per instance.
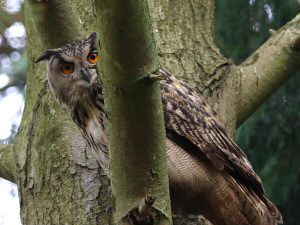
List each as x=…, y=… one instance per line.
x=88, y=113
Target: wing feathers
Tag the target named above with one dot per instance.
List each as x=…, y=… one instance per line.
x=189, y=116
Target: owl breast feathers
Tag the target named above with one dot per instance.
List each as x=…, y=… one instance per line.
x=209, y=174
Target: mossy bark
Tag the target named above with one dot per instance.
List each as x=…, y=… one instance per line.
x=268, y=68
x=58, y=179
x=184, y=36
x=133, y=103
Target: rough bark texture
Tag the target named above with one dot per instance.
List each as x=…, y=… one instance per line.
x=135, y=125
x=58, y=179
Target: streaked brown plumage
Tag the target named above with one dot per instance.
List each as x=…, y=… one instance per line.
x=209, y=173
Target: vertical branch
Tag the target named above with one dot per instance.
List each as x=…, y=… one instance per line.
x=55, y=21
x=41, y=21
x=134, y=108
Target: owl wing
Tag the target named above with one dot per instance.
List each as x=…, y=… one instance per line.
x=188, y=115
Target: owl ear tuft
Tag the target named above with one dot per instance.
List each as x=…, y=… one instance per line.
x=92, y=38
x=46, y=55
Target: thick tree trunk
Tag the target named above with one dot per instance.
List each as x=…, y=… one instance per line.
x=58, y=178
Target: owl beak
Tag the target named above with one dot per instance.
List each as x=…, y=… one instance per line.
x=85, y=75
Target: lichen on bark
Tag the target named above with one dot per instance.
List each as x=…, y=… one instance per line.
x=58, y=179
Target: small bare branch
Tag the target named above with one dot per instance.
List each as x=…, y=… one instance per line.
x=7, y=163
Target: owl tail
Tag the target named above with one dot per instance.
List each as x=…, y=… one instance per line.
x=257, y=209
x=276, y=215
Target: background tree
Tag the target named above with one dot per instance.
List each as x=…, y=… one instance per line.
x=184, y=34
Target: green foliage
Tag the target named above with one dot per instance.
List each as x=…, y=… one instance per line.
x=271, y=135
x=12, y=58
x=242, y=26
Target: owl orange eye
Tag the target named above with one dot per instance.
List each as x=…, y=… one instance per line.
x=67, y=68
x=93, y=57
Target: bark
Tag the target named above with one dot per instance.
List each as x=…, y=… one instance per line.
x=7, y=163
x=58, y=179
x=133, y=102
x=268, y=68
x=184, y=36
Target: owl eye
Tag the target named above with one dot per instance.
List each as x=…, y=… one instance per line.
x=67, y=67
x=93, y=57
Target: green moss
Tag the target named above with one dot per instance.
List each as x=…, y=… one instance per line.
x=52, y=181
x=135, y=124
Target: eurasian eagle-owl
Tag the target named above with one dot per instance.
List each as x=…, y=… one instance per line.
x=208, y=172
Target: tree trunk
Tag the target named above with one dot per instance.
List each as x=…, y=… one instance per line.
x=135, y=125
x=58, y=178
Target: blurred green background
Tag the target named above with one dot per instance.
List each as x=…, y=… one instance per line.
x=270, y=136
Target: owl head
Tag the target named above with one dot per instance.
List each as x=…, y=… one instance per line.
x=72, y=69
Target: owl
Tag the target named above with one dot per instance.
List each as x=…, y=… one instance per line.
x=208, y=173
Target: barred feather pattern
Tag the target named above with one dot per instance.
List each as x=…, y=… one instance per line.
x=189, y=116
x=87, y=111
x=208, y=172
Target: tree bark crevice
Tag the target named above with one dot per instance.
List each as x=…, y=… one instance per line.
x=28, y=169
x=56, y=186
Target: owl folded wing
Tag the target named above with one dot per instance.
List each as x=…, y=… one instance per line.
x=188, y=115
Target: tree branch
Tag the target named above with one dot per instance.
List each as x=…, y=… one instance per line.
x=266, y=69
x=55, y=21
x=7, y=165
x=133, y=101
